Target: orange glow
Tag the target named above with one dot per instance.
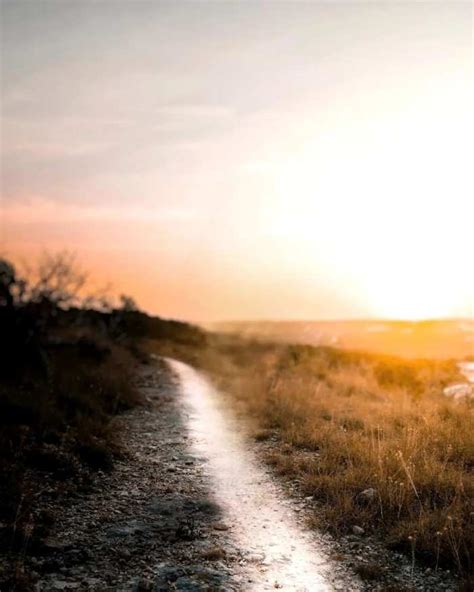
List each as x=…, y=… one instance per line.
x=212, y=181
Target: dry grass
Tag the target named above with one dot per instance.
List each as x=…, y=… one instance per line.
x=55, y=428
x=347, y=422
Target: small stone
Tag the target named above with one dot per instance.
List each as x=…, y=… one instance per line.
x=50, y=544
x=459, y=391
x=358, y=530
x=368, y=495
x=62, y=585
x=144, y=585
x=91, y=582
x=255, y=557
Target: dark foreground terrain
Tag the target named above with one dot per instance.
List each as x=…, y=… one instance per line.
x=150, y=524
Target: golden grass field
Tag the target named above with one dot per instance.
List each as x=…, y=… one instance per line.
x=346, y=422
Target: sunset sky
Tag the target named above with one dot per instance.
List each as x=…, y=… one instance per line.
x=245, y=160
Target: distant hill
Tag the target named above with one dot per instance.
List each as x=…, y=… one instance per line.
x=445, y=338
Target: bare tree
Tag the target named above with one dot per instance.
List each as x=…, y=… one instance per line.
x=128, y=303
x=100, y=300
x=57, y=279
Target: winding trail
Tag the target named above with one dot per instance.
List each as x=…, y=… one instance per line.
x=280, y=553
x=189, y=506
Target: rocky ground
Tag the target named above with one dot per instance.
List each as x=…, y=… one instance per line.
x=151, y=523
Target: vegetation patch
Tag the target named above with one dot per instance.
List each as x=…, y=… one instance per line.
x=68, y=362
x=371, y=438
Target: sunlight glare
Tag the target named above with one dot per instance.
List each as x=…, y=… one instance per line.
x=388, y=203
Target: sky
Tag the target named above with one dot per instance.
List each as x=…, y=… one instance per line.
x=245, y=160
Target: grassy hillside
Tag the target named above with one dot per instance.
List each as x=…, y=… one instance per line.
x=434, y=339
x=371, y=437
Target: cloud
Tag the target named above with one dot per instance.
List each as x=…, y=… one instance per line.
x=37, y=210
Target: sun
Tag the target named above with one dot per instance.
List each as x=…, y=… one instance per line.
x=384, y=210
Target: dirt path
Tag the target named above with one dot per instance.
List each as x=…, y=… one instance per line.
x=263, y=524
x=190, y=507
x=268, y=519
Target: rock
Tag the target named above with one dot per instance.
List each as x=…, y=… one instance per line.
x=62, y=585
x=358, y=530
x=368, y=495
x=459, y=391
x=220, y=526
x=143, y=586
x=255, y=557
x=126, y=530
x=91, y=582
x=52, y=545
